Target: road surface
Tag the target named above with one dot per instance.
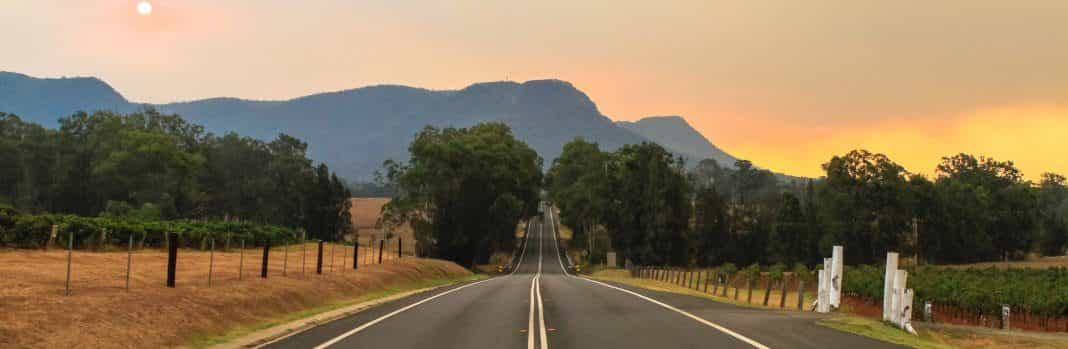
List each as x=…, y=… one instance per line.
x=539, y=305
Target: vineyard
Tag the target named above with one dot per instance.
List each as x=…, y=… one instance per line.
x=1039, y=294
x=34, y=231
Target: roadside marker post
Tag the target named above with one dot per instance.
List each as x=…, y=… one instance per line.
x=266, y=258
x=172, y=258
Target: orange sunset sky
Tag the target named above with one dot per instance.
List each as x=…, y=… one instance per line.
x=786, y=84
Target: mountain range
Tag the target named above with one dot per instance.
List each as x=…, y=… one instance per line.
x=354, y=131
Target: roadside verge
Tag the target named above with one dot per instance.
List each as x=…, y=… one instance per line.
x=930, y=337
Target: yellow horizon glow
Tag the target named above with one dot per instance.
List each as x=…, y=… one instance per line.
x=1030, y=137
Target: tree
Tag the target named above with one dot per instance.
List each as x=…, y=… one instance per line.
x=862, y=205
x=578, y=184
x=1053, y=213
x=464, y=190
x=711, y=227
x=788, y=242
x=1012, y=225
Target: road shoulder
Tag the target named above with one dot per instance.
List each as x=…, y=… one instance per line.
x=290, y=324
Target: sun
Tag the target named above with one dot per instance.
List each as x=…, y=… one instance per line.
x=144, y=8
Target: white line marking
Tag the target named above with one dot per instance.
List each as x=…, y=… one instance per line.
x=557, y=244
x=740, y=337
x=526, y=238
x=530, y=323
x=541, y=316
x=395, y=312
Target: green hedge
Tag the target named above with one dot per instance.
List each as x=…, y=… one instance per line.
x=33, y=231
x=1040, y=291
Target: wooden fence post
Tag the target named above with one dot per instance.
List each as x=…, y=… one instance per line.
x=241, y=260
x=332, y=248
x=211, y=261
x=800, y=294
x=172, y=258
x=749, y=288
x=400, y=245
x=355, y=253
x=129, y=261
x=708, y=277
x=70, y=251
x=266, y=258
x=319, y=259
x=782, y=296
x=767, y=289
x=381, y=246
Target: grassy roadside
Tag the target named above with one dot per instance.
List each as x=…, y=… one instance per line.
x=204, y=340
x=930, y=337
x=940, y=337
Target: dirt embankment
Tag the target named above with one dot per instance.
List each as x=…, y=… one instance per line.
x=100, y=313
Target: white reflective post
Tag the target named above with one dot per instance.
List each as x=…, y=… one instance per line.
x=888, y=284
x=837, y=269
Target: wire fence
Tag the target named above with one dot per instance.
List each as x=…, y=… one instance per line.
x=130, y=266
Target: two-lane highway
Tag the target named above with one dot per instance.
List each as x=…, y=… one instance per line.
x=539, y=305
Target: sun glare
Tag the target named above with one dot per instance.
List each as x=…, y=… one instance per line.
x=144, y=8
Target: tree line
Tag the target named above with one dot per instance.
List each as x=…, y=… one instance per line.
x=150, y=166
x=645, y=204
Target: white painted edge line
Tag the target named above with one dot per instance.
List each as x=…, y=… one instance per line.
x=395, y=312
x=541, y=316
x=740, y=337
x=526, y=239
x=556, y=245
x=530, y=323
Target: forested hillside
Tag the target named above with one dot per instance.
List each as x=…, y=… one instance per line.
x=152, y=166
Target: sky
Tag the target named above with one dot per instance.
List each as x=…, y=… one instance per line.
x=786, y=84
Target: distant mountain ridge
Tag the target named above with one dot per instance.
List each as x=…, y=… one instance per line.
x=673, y=132
x=355, y=130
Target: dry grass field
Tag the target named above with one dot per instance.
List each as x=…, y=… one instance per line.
x=365, y=213
x=100, y=313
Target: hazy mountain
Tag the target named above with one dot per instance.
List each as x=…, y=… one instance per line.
x=45, y=100
x=673, y=132
x=354, y=131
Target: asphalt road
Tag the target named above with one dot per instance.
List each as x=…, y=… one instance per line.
x=539, y=305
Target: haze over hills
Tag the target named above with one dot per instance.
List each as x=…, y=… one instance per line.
x=355, y=130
